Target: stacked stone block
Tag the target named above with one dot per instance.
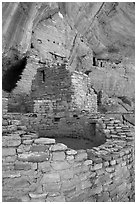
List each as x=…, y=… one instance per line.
x=4, y=105
x=39, y=169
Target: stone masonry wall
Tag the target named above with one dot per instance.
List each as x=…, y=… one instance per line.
x=39, y=169
x=62, y=91
x=84, y=97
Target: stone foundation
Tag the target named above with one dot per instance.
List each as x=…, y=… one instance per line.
x=39, y=169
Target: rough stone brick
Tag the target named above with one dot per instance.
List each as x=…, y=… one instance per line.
x=51, y=187
x=37, y=200
x=77, y=198
x=12, y=199
x=70, y=158
x=44, y=141
x=59, y=147
x=33, y=195
x=81, y=169
x=60, y=165
x=50, y=177
x=106, y=163
x=103, y=179
x=71, y=152
x=97, y=166
x=4, y=122
x=9, y=159
x=20, y=183
x=123, y=163
x=85, y=184
x=8, y=151
x=44, y=166
x=96, y=190
x=100, y=171
x=92, y=157
x=60, y=198
x=115, y=155
x=23, y=148
x=54, y=194
x=104, y=197
x=39, y=148
x=11, y=141
x=34, y=157
x=27, y=142
x=88, y=162
x=22, y=127
x=110, y=169
x=22, y=166
x=66, y=174
x=84, y=176
x=93, y=174
x=28, y=135
x=57, y=156
x=7, y=166
x=67, y=185
x=69, y=192
x=10, y=174
x=81, y=157
x=119, y=160
x=11, y=128
x=16, y=122
x=113, y=162
x=25, y=198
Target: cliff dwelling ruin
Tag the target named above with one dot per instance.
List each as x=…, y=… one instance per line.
x=68, y=101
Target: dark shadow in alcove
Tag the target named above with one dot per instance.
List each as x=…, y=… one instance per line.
x=13, y=74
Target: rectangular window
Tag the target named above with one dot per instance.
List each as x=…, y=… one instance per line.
x=94, y=61
x=43, y=75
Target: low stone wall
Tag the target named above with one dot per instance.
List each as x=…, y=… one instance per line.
x=39, y=169
x=71, y=125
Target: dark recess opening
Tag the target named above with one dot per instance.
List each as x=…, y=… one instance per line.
x=87, y=72
x=32, y=45
x=94, y=61
x=75, y=116
x=99, y=97
x=13, y=74
x=56, y=119
x=43, y=76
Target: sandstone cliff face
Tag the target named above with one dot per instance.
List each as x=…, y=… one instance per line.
x=77, y=32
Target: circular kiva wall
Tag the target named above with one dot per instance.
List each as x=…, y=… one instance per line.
x=39, y=169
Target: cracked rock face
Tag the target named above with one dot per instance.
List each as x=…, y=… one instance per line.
x=78, y=32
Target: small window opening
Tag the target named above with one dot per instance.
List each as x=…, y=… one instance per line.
x=39, y=41
x=32, y=46
x=43, y=76
x=56, y=119
x=75, y=116
x=101, y=64
x=87, y=72
x=94, y=61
